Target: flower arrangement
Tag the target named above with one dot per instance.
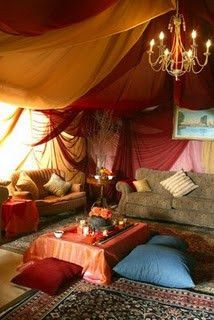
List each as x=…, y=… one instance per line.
x=104, y=213
x=105, y=172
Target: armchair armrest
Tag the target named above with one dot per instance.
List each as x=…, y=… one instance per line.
x=125, y=189
x=21, y=195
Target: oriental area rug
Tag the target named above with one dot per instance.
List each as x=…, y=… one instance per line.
x=122, y=300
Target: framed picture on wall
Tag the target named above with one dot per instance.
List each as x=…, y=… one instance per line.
x=193, y=124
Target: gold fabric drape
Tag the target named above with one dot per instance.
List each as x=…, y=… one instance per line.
x=208, y=156
x=55, y=69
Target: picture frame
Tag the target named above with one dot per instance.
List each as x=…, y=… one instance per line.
x=193, y=124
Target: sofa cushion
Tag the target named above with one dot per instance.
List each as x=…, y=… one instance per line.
x=54, y=199
x=25, y=183
x=142, y=185
x=57, y=186
x=157, y=264
x=193, y=204
x=149, y=199
x=179, y=184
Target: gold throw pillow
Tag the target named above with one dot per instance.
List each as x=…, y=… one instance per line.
x=142, y=185
x=57, y=186
x=25, y=183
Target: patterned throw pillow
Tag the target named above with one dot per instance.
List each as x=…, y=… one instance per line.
x=179, y=184
x=142, y=185
x=57, y=186
x=25, y=183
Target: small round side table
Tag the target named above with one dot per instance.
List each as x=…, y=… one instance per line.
x=101, y=183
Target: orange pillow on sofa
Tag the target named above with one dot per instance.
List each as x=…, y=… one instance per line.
x=49, y=275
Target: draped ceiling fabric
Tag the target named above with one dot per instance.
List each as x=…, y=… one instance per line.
x=60, y=66
x=96, y=58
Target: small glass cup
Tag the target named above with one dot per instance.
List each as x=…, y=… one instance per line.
x=85, y=230
x=105, y=233
x=82, y=223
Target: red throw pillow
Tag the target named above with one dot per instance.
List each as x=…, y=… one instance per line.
x=48, y=275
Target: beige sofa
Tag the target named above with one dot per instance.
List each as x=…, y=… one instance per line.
x=46, y=203
x=196, y=208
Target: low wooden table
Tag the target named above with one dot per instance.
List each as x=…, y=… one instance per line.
x=96, y=259
x=19, y=216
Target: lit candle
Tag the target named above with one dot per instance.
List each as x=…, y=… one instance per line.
x=161, y=37
x=121, y=222
x=194, y=35
x=208, y=44
x=85, y=230
x=82, y=223
x=152, y=42
x=105, y=233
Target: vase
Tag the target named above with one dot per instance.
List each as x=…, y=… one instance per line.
x=100, y=162
x=99, y=222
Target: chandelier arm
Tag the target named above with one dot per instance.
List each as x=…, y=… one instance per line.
x=158, y=60
x=198, y=70
x=205, y=61
x=156, y=69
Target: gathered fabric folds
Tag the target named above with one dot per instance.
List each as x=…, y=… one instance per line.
x=58, y=67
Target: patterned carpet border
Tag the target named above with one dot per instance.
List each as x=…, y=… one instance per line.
x=123, y=299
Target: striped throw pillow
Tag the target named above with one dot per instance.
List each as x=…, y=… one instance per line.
x=179, y=184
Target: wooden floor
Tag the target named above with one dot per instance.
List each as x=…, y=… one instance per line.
x=8, y=264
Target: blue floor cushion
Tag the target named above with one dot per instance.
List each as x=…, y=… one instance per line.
x=157, y=264
x=170, y=241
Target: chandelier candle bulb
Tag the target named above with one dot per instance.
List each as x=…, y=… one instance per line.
x=161, y=37
x=208, y=44
x=152, y=42
x=194, y=35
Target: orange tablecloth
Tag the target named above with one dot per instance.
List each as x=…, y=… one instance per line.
x=19, y=216
x=97, y=260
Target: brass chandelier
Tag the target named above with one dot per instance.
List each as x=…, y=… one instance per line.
x=177, y=60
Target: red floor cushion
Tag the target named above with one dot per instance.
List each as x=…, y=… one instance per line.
x=49, y=275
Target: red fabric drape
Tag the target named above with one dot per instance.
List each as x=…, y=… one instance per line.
x=132, y=85
x=146, y=141
x=34, y=17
